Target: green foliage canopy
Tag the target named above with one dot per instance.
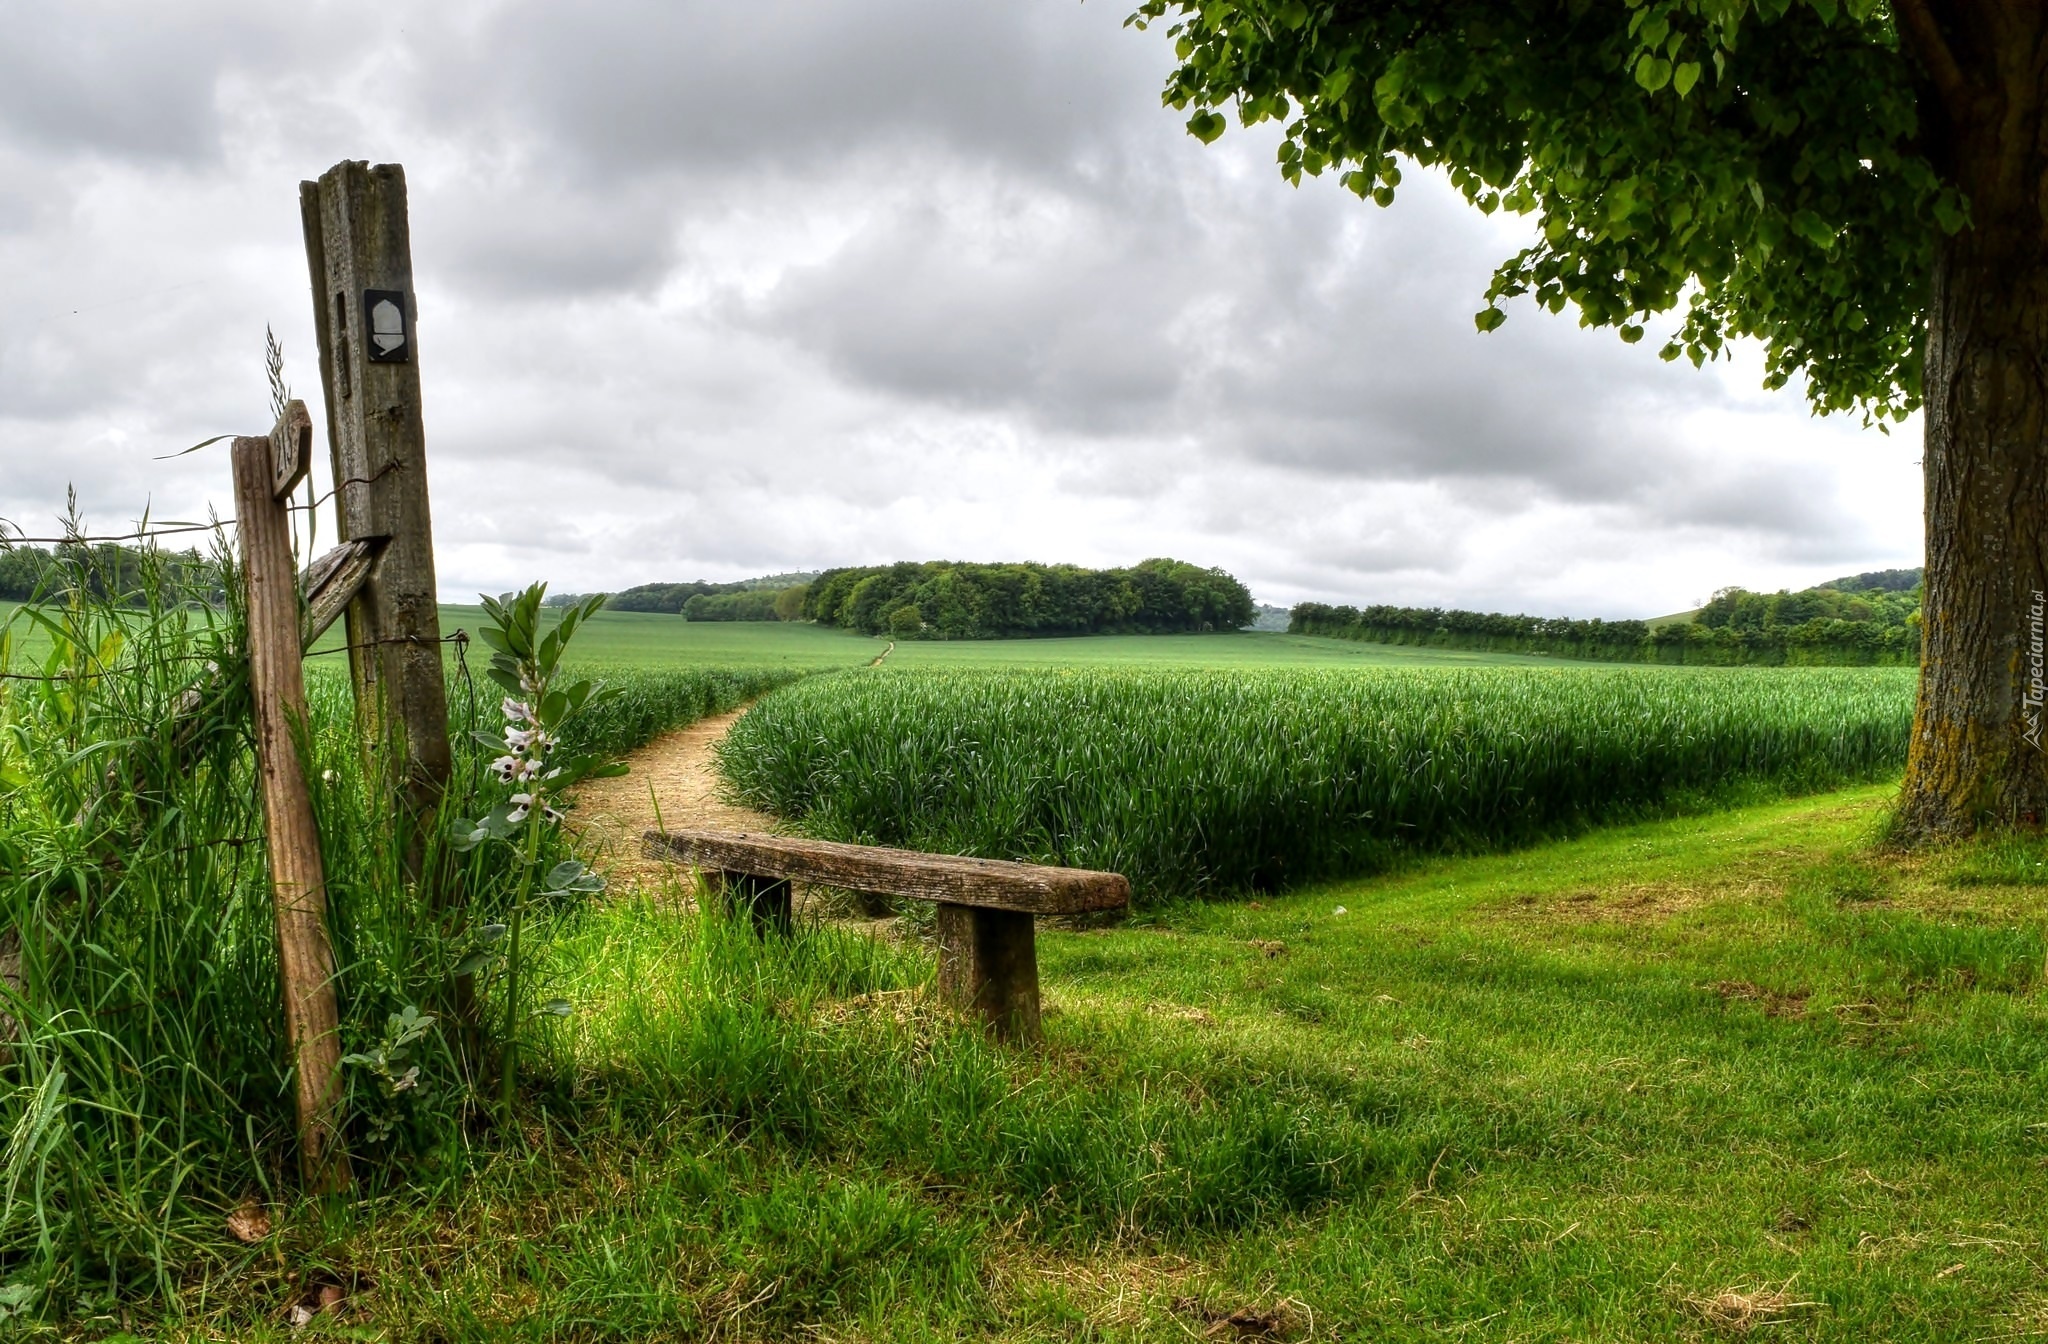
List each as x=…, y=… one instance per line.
x=751, y=604
x=1861, y=619
x=700, y=600
x=1741, y=609
x=1759, y=160
x=946, y=599
x=105, y=571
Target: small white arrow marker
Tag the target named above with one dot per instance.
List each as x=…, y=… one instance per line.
x=387, y=326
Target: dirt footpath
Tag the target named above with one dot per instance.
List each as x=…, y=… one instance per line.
x=676, y=774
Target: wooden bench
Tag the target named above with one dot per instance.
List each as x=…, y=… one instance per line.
x=988, y=952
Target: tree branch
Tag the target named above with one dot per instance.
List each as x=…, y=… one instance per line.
x=1924, y=39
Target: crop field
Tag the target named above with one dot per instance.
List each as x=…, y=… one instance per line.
x=648, y=639
x=641, y=639
x=1193, y=782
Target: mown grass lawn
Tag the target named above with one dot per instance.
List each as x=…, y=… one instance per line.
x=1681, y=1080
x=1685, y=1072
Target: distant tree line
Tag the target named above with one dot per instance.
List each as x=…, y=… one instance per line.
x=946, y=599
x=754, y=604
x=106, y=571
x=1865, y=619
x=764, y=599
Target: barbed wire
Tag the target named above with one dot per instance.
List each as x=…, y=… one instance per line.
x=460, y=639
x=140, y=534
x=10, y=538
x=110, y=672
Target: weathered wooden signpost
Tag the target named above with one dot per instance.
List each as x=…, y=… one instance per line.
x=360, y=256
x=266, y=470
x=359, y=253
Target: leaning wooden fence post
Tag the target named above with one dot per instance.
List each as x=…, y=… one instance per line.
x=359, y=253
x=297, y=882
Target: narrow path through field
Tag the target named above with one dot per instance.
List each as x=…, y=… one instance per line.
x=676, y=774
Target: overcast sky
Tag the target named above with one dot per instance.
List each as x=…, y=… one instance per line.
x=712, y=290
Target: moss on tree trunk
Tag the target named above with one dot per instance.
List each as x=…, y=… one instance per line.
x=1976, y=756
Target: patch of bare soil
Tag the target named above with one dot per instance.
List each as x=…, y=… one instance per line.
x=674, y=778
x=1633, y=903
x=1774, y=1002
x=673, y=782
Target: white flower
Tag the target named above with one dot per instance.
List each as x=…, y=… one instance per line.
x=515, y=769
x=517, y=711
x=518, y=738
x=521, y=802
x=551, y=814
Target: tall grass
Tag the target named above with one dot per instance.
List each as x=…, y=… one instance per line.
x=144, y=1087
x=827, y=1042
x=1195, y=782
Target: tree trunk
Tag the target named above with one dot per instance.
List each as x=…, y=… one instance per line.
x=1979, y=754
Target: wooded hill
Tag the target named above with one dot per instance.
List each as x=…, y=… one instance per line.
x=946, y=599
x=1869, y=618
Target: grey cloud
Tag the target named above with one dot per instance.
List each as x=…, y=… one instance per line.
x=515, y=241
x=104, y=83
x=137, y=82
x=781, y=84
x=1065, y=326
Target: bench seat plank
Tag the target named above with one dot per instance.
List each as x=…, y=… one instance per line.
x=992, y=884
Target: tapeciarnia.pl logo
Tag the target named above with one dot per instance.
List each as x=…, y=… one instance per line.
x=2037, y=688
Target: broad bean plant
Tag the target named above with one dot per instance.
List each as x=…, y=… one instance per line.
x=538, y=705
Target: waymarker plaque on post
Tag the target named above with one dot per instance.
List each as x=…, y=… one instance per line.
x=384, y=317
x=359, y=253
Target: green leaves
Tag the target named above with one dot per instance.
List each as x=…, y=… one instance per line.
x=1488, y=319
x=496, y=824
x=1753, y=203
x=1951, y=212
x=388, y=1064
x=1813, y=229
x=569, y=877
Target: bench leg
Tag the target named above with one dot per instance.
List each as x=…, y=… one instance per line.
x=988, y=967
x=767, y=900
